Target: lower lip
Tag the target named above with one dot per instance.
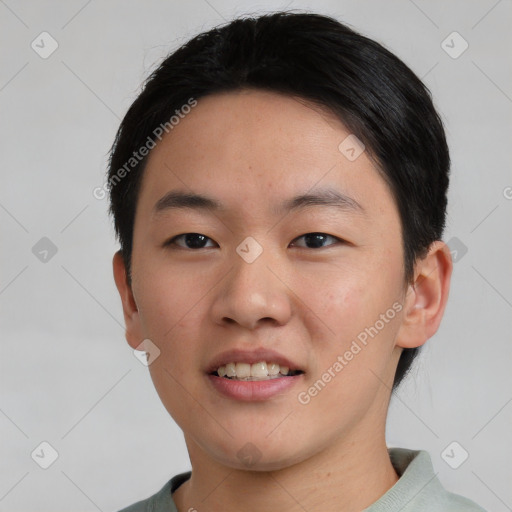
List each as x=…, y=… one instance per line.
x=255, y=390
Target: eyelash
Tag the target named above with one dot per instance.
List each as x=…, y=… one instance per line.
x=172, y=241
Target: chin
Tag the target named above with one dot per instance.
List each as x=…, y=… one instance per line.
x=257, y=455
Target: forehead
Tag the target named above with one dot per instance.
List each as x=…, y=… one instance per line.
x=232, y=124
x=251, y=146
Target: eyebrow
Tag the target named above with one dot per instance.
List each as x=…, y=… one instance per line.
x=175, y=200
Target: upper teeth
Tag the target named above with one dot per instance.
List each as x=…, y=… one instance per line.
x=244, y=370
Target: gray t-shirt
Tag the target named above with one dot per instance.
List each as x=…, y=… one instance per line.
x=417, y=490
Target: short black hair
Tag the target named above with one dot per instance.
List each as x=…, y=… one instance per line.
x=317, y=58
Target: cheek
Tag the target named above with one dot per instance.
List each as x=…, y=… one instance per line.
x=345, y=306
x=171, y=310
x=165, y=298
x=340, y=300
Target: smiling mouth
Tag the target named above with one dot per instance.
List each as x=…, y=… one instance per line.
x=254, y=372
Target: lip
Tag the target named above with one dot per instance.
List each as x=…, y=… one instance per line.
x=251, y=356
x=252, y=391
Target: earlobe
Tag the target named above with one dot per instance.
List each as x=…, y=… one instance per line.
x=426, y=297
x=130, y=309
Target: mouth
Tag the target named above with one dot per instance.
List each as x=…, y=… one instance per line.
x=253, y=375
x=248, y=382
x=259, y=371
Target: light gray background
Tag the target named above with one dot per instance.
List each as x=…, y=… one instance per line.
x=67, y=375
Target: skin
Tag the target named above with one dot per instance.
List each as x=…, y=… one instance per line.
x=251, y=149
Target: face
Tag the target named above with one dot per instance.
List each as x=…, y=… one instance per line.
x=316, y=285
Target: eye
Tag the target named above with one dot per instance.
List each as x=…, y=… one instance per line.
x=191, y=241
x=316, y=240
x=199, y=241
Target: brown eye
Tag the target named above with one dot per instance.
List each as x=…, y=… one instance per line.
x=190, y=241
x=316, y=240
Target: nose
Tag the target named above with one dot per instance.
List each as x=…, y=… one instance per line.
x=252, y=294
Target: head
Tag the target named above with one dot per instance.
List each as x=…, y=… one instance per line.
x=250, y=115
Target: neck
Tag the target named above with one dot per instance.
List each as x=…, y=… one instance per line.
x=349, y=475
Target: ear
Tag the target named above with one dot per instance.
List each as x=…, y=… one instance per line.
x=133, y=333
x=426, y=297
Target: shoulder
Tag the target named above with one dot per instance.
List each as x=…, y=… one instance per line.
x=418, y=488
x=456, y=503
x=161, y=501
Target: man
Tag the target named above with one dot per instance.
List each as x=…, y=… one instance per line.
x=279, y=193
